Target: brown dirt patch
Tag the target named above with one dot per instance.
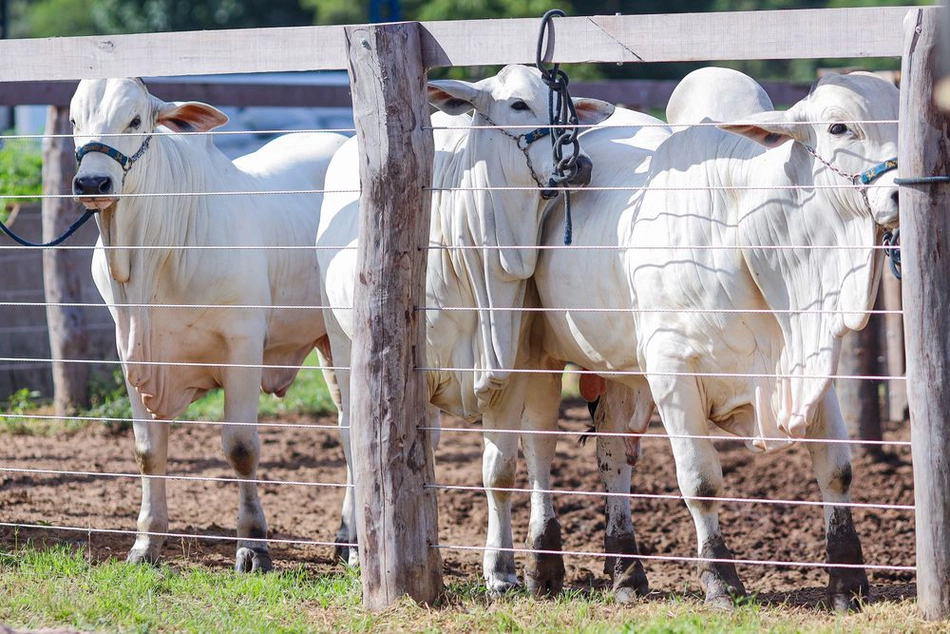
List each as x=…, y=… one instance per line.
x=300, y=512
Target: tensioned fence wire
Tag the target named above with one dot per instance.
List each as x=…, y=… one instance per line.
x=740, y=500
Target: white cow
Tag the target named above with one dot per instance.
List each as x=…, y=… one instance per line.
x=153, y=257
x=717, y=240
x=477, y=346
x=715, y=94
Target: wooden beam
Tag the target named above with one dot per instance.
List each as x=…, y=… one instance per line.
x=396, y=514
x=274, y=94
x=926, y=297
x=795, y=34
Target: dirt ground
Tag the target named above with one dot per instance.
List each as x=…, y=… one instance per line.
x=302, y=512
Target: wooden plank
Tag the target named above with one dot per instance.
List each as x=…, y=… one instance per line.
x=926, y=296
x=62, y=275
x=397, y=517
x=795, y=34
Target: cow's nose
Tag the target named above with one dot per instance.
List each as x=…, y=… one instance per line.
x=585, y=167
x=92, y=185
x=895, y=197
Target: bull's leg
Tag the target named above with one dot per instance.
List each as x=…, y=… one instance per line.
x=499, y=462
x=151, y=454
x=699, y=475
x=544, y=572
x=615, y=414
x=832, y=464
x=242, y=448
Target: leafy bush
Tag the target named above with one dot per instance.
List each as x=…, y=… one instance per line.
x=21, y=171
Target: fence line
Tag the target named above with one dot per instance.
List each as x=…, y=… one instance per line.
x=818, y=34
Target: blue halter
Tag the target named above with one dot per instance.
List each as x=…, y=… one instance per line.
x=123, y=160
x=870, y=175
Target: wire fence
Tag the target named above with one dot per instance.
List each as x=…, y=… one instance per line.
x=17, y=472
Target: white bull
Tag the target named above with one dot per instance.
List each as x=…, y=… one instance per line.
x=729, y=282
x=480, y=258
x=202, y=288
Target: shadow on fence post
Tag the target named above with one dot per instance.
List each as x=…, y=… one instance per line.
x=925, y=255
x=62, y=271
x=396, y=518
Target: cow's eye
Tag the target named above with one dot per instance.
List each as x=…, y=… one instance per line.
x=136, y=122
x=519, y=105
x=837, y=129
x=72, y=122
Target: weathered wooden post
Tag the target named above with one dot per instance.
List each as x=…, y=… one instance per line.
x=62, y=273
x=397, y=518
x=925, y=255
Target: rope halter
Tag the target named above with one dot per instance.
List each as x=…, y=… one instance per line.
x=523, y=141
x=861, y=180
x=124, y=161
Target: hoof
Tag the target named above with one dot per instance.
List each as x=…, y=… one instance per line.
x=250, y=560
x=500, y=587
x=545, y=586
x=845, y=603
x=724, y=602
x=142, y=555
x=631, y=584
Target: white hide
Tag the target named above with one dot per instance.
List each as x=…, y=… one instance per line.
x=715, y=94
x=204, y=289
x=689, y=251
x=175, y=164
x=481, y=343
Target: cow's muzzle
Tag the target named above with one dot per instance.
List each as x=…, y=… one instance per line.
x=94, y=192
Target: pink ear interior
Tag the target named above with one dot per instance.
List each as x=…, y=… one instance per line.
x=758, y=134
x=192, y=117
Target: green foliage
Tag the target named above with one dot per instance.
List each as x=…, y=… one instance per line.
x=18, y=404
x=21, y=171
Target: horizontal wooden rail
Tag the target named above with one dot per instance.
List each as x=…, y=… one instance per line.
x=639, y=93
x=790, y=34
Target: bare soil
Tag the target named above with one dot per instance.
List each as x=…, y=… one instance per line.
x=312, y=454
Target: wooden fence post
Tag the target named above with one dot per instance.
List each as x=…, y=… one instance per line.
x=62, y=273
x=925, y=226
x=397, y=518
x=859, y=399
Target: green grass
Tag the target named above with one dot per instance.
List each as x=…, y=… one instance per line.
x=59, y=587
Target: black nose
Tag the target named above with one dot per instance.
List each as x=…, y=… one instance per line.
x=895, y=196
x=585, y=167
x=92, y=185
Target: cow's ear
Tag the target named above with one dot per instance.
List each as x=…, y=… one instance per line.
x=189, y=116
x=592, y=111
x=452, y=96
x=770, y=129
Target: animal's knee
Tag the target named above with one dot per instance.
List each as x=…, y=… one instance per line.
x=242, y=456
x=699, y=488
x=147, y=458
x=840, y=481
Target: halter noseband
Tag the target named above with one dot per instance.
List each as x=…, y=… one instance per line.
x=524, y=141
x=123, y=160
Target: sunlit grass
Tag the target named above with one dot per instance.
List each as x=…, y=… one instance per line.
x=59, y=587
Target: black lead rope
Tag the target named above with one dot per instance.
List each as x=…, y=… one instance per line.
x=563, y=119
x=892, y=250
x=52, y=243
